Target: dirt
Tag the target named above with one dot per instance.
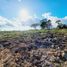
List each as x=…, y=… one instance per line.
x=35, y=50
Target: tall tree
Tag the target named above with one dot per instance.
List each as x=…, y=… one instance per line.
x=61, y=25
x=45, y=24
x=49, y=25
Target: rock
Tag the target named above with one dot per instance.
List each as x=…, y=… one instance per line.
x=6, y=59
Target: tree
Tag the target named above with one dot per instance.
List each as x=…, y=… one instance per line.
x=49, y=25
x=45, y=24
x=58, y=22
x=35, y=25
x=60, y=25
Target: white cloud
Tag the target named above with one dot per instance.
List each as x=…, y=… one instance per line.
x=65, y=17
x=15, y=24
x=19, y=24
x=25, y=19
x=48, y=15
x=52, y=18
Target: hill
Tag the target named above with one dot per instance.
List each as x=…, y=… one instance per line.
x=33, y=48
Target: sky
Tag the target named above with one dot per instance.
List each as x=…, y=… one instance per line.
x=19, y=14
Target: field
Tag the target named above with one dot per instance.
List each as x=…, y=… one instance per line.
x=33, y=48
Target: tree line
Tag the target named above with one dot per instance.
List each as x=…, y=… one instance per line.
x=46, y=24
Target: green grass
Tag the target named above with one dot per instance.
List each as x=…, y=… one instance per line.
x=15, y=34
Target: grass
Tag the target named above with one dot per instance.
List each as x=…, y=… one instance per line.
x=19, y=34
x=15, y=34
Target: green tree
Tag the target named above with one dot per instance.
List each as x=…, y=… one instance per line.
x=58, y=22
x=45, y=24
x=61, y=25
x=35, y=25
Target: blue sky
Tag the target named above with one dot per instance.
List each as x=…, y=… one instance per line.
x=56, y=9
x=10, y=8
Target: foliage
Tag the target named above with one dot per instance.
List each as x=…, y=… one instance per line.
x=35, y=25
x=61, y=25
x=45, y=24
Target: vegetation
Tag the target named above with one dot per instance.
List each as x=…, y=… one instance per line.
x=45, y=24
x=33, y=48
x=60, y=25
x=35, y=25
